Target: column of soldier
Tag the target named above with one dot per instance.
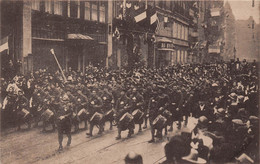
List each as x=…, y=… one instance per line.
x=222, y=96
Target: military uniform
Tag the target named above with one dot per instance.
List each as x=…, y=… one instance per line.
x=64, y=114
x=123, y=106
x=95, y=105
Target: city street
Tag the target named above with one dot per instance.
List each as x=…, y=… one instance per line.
x=34, y=146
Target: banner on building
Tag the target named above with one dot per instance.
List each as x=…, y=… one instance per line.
x=214, y=49
x=154, y=18
x=4, y=44
x=215, y=12
x=140, y=17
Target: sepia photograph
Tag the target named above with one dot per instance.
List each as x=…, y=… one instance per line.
x=129, y=81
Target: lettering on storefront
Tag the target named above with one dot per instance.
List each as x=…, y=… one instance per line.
x=165, y=45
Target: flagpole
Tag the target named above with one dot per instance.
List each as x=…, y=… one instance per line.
x=124, y=9
x=52, y=52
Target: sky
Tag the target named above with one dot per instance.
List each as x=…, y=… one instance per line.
x=242, y=9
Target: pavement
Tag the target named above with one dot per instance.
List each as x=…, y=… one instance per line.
x=34, y=146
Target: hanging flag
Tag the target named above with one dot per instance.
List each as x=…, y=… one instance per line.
x=4, y=44
x=159, y=26
x=140, y=17
x=215, y=12
x=153, y=18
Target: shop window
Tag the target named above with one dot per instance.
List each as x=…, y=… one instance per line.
x=36, y=5
x=94, y=15
x=74, y=8
x=58, y=7
x=48, y=6
x=87, y=11
x=183, y=32
x=179, y=31
x=178, y=56
x=102, y=12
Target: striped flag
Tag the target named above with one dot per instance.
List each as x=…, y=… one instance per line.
x=158, y=27
x=140, y=17
x=4, y=44
x=154, y=18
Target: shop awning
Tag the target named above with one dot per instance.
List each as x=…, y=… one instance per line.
x=79, y=37
x=163, y=39
x=165, y=49
x=164, y=44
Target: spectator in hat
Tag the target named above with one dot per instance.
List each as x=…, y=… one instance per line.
x=133, y=158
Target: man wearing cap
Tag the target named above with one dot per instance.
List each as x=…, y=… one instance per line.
x=95, y=105
x=137, y=102
x=133, y=158
x=108, y=102
x=21, y=104
x=123, y=106
x=153, y=112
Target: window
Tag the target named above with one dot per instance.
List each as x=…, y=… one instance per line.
x=186, y=33
x=175, y=30
x=183, y=32
x=185, y=56
x=48, y=6
x=74, y=8
x=58, y=7
x=102, y=13
x=179, y=31
x=94, y=11
x=36, y=4
x=87, y=11
x=168, y=5
x=178, y=56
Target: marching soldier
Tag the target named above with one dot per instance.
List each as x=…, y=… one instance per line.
x=64, y=114
x=108, y=103
x=22, y=113
x=153, y=113
x=122, y=107
x=137, y=102
x=95, y=107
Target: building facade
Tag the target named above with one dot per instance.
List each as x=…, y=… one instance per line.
x=78, y=31
x=172, y=36
x=247, y=42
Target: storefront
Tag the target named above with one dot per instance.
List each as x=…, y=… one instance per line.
x=165, y=53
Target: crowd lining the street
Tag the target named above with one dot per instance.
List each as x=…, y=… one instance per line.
x=222, y=96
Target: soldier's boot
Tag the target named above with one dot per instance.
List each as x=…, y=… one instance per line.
x=90, y=130
x=53, y=127
x=60, y=147
x=171, y=128
x=159, y=134
x=60, y=137
x=140, y=128
x=111, y=125
x=145, y=123
x=44, y=126
x=119, y=134
x=86, y=124
x=130, y=132
x=29, y=125
x=69, y=139
x=152, y=140
x=101, y=128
